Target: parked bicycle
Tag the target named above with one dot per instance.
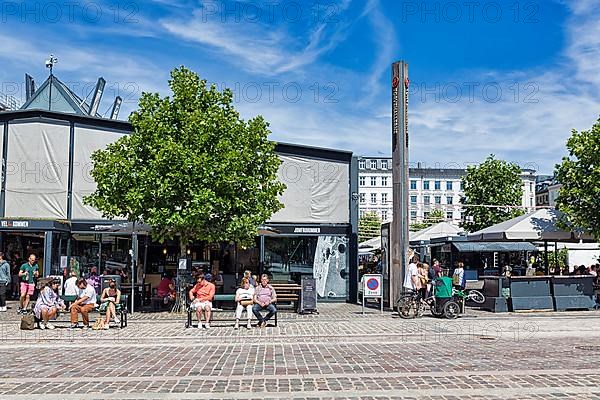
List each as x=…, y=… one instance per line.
x=440, y=302
x=469, y=295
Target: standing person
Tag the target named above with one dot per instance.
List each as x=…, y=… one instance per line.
x=48, y=303
x=251, y=279
x=86, y=302
x=15, y=277
x=458, y=276
x=264, y=299
x=109, y=301
x=423, y=279
x=5, y=281
x=71, y=285
x=244, y=298
x=201, y=296
x=28, y=272
x=411, y=278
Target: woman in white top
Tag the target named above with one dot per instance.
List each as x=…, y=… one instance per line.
x=243, y=298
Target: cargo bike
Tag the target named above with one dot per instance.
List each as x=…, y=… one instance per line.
x=441, y=302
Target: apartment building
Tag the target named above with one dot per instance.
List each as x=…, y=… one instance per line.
x=430, y=189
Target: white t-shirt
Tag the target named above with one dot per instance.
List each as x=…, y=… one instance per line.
x=71, y=288
x=90, y=292
x=410, y=272
x=245, y=294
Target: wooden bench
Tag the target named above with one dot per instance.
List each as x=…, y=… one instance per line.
x=121, y=310
x=218, y=297
x=288, y=292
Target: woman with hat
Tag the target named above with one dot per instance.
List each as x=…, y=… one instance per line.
x=48, y=303
x=111, y=296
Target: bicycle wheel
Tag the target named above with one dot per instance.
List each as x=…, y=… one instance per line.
x=476, y=296
x=451, y=309
x=406, y=307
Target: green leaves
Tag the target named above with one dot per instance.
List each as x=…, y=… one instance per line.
x=492, y=183
x=191, y=168
x=369, y=226
x=579, y=176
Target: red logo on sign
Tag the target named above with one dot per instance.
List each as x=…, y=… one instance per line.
x=395, y=82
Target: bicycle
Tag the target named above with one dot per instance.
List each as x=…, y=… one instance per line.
x=409, y=305
x=473, y=295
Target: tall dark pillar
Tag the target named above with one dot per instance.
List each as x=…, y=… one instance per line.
x=399, y=226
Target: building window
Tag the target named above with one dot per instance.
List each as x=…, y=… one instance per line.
x=530, y=202
x=413, y=215
x=426, y=200
x=384, y=181
x=384, y=215
x=362, y=164
x=531, y=186
x=362, y=213
x=449, y=215
x=373, y=164
x=438, y=199
x=425, y=185
x=373, y=198
x=437, y=185
x=413, y=199
x=361, y=180
x=413, y=185
x=384, y=164
x=448, y=185
x=449, y=200
x=384, y=198
x=373, y=181
x=362, y=198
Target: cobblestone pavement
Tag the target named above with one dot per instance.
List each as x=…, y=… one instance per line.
x=338, y=354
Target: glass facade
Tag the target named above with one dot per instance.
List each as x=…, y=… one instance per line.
x=324, y=257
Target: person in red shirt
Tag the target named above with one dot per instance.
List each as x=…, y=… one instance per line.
x=201, y=297
x=166, y=289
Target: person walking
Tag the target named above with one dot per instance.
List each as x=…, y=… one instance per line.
x=264, y=299
x=28, y=272
x=5, y=281
x=244, y=297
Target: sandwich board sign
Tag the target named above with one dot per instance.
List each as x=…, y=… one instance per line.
x=372, y=287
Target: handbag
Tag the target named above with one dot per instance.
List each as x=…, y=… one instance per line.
x=28, y=322
x=246, y=302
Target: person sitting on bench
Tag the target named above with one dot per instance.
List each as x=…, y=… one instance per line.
x=48, y=303
x=201, y=297
x=264, y=299
x=244, y=298
x=86, y=302
x=109, y=299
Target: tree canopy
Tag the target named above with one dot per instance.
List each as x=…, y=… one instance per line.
x=369, y=226
x=496, y=184
x=191, y=168
x=579, y=176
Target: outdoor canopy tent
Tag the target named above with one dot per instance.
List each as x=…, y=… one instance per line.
x=539, y=225
x=441, y=229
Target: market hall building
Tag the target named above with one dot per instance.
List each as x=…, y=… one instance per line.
x=46, y=149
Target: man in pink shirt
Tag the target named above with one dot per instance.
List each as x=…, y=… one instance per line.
x=264, y=299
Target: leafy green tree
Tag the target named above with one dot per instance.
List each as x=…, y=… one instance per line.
x=496, y=184
x=579, y=176
x=435, y=217
x=369, y=226
x=192, y=167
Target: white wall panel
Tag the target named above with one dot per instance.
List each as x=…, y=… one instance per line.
x=37, y=170
x=317, y=191
x=87, y=140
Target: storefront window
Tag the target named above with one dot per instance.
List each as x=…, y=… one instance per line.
x=324, y=257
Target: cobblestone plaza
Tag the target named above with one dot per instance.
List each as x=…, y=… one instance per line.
x=337, y=354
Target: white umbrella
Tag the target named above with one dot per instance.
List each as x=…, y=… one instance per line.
x=539, y=225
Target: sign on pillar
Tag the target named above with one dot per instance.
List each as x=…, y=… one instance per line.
x=372, y=287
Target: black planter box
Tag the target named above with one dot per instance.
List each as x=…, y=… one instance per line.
x=573, y=292
x=530, y=293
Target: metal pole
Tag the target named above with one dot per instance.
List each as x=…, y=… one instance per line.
x=133, y=261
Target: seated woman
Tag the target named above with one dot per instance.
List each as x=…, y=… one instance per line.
x=110, y=298
x=166, y=289
x=48, y=303
x=244, y=298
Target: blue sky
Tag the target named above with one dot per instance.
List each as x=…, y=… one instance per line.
x=505, y=77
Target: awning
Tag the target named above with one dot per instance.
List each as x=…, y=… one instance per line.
x=493, y=246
